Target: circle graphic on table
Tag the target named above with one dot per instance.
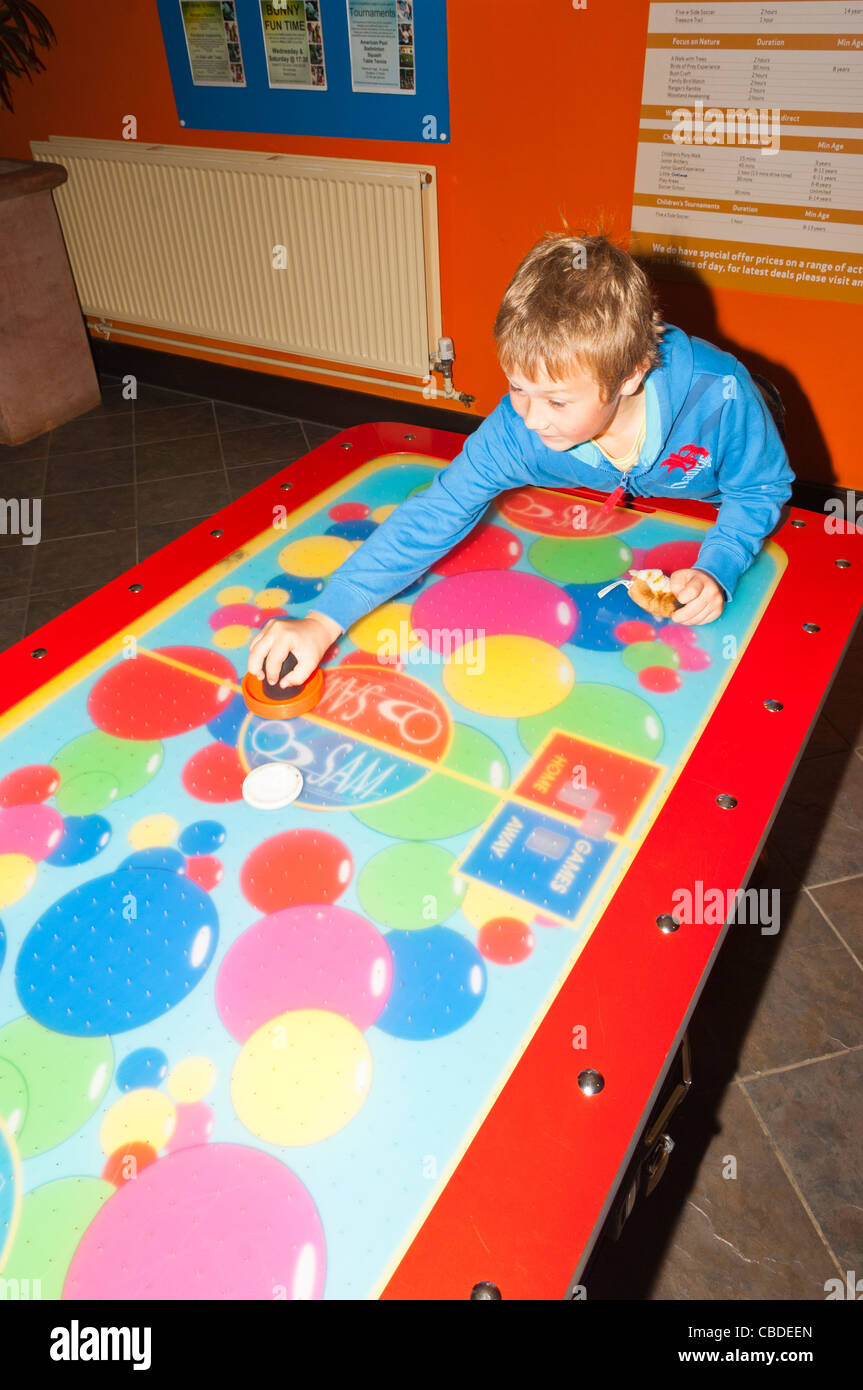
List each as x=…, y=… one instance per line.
x=202, y=837
x=442, y=805
x=262, y=1237
x=161, y=693
x=10, y=1190
x=141, y=1116
x=301, y=1077
x=156, y=925
x=551, y=513
x=439, y=984
x=488, y=547
x=17, y=875
x=195, y=1124
x=60, y=1082
x=590, y=561
x=97, y=768
x=513, y=676
x=489, y=603
x=53, y=1218
x=601, y=713
x=315, y=557
x=146, y=1066
x=338, y=770
x=83, y=838
x=26, y=785
x=368, y=715
x=602, y=621
x=215, y=774
x=410, y=886
x=317, y=956
x=295, y=867
x=192, y=1079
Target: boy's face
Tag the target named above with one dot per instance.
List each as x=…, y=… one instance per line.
x=563, y=413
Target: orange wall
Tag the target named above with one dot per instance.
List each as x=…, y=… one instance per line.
x=544, y=103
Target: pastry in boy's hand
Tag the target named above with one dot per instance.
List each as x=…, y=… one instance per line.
x=651, y=590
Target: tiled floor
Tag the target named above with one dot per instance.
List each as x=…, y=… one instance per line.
x=122, y=481
x=778, y=1034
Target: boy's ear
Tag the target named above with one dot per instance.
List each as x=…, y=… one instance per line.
x=632, y=383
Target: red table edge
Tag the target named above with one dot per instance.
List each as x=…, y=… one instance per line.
x=493, y=1220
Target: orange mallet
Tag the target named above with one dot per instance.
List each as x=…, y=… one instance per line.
x=272, y=702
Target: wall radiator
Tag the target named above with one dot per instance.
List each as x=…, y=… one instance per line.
x=172, y=239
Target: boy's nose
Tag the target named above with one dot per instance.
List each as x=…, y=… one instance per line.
x=533, y=418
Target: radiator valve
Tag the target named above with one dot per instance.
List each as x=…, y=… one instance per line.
x=442, y=362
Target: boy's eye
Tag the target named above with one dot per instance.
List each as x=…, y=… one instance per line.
x=558, y=405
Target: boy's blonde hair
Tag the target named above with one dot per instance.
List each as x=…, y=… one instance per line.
x=578, y=301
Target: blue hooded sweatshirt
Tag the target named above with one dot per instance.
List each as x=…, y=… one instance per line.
x=708, y=435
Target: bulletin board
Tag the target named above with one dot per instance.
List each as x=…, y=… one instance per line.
x=362, y=69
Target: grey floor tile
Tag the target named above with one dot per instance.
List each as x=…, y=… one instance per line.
x=154, y=537
x=844, y=704
x=114, y=402
x=21, y=477
x=174, y=458
x=86, y=513
x=843, y=904
x=241, y=417
x=815, y=1117
x=780, y=999
x=16, y=569
x=820, y=822
x=704, y=1235
x=157, y=397
x=319, y=434
x=242, y=480
x=825, y=738
x=84, y=561
x=173, y=499
x=95, y=431
x=175, y=422
x=13, y=614
x=44, y=607
x=267, y=444
x=86, y=471
x=23, y=453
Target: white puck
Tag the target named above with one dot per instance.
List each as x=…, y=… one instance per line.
x=272, y=785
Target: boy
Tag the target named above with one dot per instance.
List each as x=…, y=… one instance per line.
x=600, y=392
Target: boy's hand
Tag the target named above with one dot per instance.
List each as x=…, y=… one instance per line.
x=308, y=638
x=701, y=596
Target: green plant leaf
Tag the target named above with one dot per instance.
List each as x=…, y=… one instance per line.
x=30, y=14
x=22, y=26
x=9, y=63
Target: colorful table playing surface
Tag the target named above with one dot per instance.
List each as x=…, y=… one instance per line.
x=339, y=1049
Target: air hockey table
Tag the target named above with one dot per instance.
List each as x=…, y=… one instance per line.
x=403, y=1037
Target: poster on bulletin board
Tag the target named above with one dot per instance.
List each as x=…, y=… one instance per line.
x=382, y=46
x=293, y=43
x=212, y=42
x=363, y=69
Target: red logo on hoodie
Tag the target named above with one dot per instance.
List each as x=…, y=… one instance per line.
x=687, y=459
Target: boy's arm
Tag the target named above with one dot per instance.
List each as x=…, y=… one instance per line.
x=425, y=527
x=754, y=478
